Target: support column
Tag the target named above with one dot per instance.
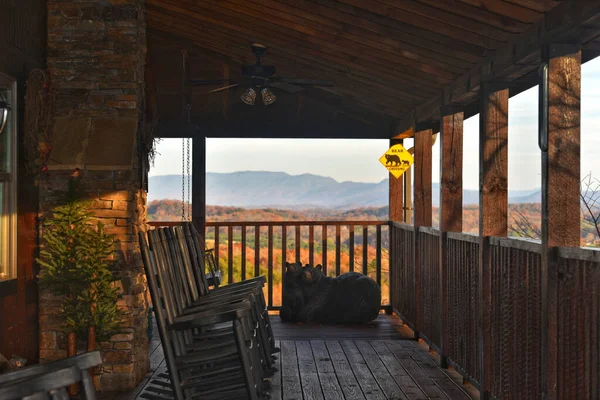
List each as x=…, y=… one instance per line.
x=451, y=193
x=422, y=206
x=199, y=184
x=396, y=192
x=396, y=205
x=493, y=206
x=96, y=56
x=408, y=203
x=560, y=109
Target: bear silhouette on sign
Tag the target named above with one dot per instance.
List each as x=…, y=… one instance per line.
x=405, y=162
x=392, y=159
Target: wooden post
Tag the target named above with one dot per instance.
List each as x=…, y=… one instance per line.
x=560, y=142
x=493, y=207
x=199, y=185
x=422, y=205
x=396, y=192
x=408, y=203
x=451, y=188
x=397, y=214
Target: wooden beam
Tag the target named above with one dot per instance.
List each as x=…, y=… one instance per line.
x=358, y=89
x=396, y=193
x=425, y=39
x=283, y=26
x=569, y=22
x=422, y=206
x=422, y=168
x=406, y=12
x=493, y=207
x=217, y=22
x=561, y=163
x=561, y=175
x=199, y=185
x=351, y=27
x=493, y=162
x=451, y=162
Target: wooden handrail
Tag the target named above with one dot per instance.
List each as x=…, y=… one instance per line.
x=342, y=233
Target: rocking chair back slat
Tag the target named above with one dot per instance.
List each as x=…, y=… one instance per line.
x=51, y=384
x=160, y=307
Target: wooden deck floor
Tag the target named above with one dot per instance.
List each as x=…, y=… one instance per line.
x=378, y=361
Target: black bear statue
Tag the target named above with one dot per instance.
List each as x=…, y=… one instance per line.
x=310, y=296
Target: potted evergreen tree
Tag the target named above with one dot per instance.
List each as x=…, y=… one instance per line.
x=75, y=266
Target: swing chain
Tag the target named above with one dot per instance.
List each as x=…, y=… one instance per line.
x=189, y=183
x=183, y=179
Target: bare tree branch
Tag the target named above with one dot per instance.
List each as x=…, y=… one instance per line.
x=523, y=227
x=590, y=195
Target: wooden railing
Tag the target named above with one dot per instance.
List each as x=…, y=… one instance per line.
x=463, y=303
x=494, y=322
x=245, y=249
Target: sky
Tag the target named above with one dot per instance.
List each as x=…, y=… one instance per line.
x=358, y=160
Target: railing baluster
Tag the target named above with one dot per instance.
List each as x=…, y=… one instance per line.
x=338, y=253
x=351, y=249
x=311, y=245
x=216, y=249
x=256, y=250
x=324, y=249
x=298, y=243
x=270, y=264
x=378, y=255
x=230, y=254
x=243, y=252
x=283, y=244
x=365, y=259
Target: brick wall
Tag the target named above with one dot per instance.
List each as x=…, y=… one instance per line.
x=96, y=53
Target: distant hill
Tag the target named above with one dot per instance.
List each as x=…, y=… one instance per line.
x=275, y=189
x=260, y=189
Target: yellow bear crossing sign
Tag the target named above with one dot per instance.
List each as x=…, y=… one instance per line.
x=397, y=160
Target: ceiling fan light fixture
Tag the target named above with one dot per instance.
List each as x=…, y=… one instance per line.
x=268, y=96
x=249, y=96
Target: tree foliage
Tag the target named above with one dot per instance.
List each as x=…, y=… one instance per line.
x=75, y=266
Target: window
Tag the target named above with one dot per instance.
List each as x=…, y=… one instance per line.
x=8, y=183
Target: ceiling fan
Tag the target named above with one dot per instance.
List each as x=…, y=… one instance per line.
x=260, y=78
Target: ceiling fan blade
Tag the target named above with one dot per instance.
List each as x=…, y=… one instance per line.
x=223, y=88
x=306, y=82
x=212, y=82
x=287, y=87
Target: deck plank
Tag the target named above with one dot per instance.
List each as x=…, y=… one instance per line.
x=343, y=371
x=329, y=381
x=365, y=378
x=380, y=373
x=428, y=365
x=311, y=386
x=398, y=373
x=290, y=375
x=412, y=367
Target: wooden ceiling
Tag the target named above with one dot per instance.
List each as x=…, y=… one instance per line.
x=387, y=58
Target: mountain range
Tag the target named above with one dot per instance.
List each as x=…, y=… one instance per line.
x=258, y=189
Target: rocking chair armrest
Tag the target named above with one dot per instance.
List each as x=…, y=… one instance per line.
x=213, y=316
x=82, y=361
x=205, y=301
x=239, y=286
x=256, y=290
x=258, y=281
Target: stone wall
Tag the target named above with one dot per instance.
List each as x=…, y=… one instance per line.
x=96, y=55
